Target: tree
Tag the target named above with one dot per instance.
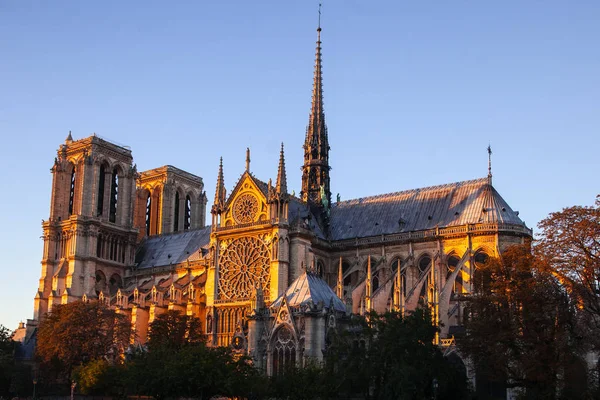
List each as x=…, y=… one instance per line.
x=569, y=247
x=520, y=325
x=76, y=333
x=391, y=356
x=173, y=330
x=7, y=349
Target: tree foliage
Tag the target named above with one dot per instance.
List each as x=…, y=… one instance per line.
x=76, y=333
x=569, y=248
x=391, y=356
x=520, y=324
x=173, y=330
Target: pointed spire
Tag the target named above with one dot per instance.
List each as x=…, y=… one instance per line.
x=220, y=190
x=69, y=138
x=340, y=281
x=315, y=171
x=281, y=184
x=247, y=159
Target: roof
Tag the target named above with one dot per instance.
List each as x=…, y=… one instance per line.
x=156, y=251
x=310, y=287
x=298, y=211
x=460, y=203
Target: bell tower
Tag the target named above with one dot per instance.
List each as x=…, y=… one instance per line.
x=89, y=237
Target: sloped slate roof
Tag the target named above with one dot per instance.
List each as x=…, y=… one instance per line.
x=156, y=251
x=298, y=211
x=460, y=203
x=309, y=286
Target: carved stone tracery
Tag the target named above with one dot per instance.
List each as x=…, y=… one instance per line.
x=245, y=208
x=243, y=263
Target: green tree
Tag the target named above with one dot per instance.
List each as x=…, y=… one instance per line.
x=520, y=324
x=173, y=330
x=390, y=356
x=179, y=364
x=76, y=333
x=7, y=361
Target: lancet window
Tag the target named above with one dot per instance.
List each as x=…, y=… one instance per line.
x=227, y=321
x=188, y=213
x=72, y=190
x=457, y=285
x=176, y=213
x=283, y=350
x=101, y=182
x=114, y=195
x=148, y=214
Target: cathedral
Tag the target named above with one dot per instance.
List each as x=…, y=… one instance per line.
x=274, y=272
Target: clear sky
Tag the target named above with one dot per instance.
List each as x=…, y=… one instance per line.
x=414, y=92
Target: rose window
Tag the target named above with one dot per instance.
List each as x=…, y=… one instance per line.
x=245, y=209
x=244, y=263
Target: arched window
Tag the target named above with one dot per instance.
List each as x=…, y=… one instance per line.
x=148, y=214
x=114, y=284
x=320, y=268
x=483, y=276
x=345, y=266
x=284, y=350
x=188, y=213
x=457, y=287
x=176, y=213
x=375, y=284
x=101, y=182
x=396, y=264
x=100, y=282
x=114, y=195
x=72, y=191
x=424, y=263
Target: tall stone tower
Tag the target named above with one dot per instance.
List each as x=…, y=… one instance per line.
x=169, y=200
x=315, y=170
x=89, y=238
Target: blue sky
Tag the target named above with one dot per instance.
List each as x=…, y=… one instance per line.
x=414, y=92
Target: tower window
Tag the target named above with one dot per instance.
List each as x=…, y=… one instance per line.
x=148, y=211
x=114, y=195
x=188, y=213
x=176, y=214
x=100, y=204
x=72, y=191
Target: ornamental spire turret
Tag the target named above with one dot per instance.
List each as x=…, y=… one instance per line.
x=281, y=184
x=315, y=171
x=220, y=190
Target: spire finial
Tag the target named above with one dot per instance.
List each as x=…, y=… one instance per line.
x=319, y=27
x=220, y=191
x=489, y=150
x=281, y=184
x=69, y=138
x=247, y=159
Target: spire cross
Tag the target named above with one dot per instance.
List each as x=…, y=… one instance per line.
x=319, y=28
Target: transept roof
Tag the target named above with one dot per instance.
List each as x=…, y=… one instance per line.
x=310, y=287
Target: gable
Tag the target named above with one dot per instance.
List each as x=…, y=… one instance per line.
x=247, y=203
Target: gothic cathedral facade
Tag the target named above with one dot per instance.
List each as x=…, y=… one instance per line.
x=274, y=272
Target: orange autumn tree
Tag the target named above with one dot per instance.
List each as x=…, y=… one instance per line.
x=569, y=248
